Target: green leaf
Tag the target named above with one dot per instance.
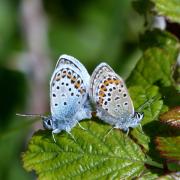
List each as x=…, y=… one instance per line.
x=147, y=175
x=149, y=98
x=91, y=156
x=173, y=166
x=172, y=117
x=160, y=39
x=169, y=9
x=169, y=147
x=153, y=67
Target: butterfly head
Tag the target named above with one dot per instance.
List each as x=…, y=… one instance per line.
x=47, y=122
x=138, y=116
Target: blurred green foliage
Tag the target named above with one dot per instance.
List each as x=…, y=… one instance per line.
x=94, y=31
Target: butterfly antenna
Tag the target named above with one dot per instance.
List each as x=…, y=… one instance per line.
x=53, y=136
x=31, y=115
x=127, y=132
x=147, y=102
x=125, y=136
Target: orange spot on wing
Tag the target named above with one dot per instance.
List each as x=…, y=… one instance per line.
x=82, y=90
x=101, y=94
x=69, y=76
x=114, y=81
x=103, y=89
x=100, y=102
x=58, y=78
x=117, y=81
x=72, y=79
x=106, y=83
x=77, y=85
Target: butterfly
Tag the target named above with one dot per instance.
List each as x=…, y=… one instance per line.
x=111, y=98
x=69, y=101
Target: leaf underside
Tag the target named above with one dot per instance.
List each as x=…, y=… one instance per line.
x=172, y=117
x=169, y=147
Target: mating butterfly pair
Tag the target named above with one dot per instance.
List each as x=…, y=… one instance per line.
x=72, y=89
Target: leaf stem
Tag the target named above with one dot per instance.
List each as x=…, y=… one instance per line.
x=150, y=162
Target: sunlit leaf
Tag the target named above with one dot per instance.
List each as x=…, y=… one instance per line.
x=169, y=9
x=150, y=103
x=89, y=157
x=160, y=39
x=153, y=67
x=147, y=175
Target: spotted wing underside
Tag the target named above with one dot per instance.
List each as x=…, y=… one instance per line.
x=109, y=93
x=68, y=87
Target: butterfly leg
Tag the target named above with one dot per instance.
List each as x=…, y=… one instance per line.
x=140, y=129
x=81, y=126
x=109, y=131
x=127, y=132
x=125, y=136
x=71, y=135
x=55, y=131
x=53, y=137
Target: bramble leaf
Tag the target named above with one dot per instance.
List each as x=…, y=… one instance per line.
x=169, y=147
x=160, y=39
x=173, y=166
x=172, y=117
x=155, y=66
x=89, y=157
x=147, y=100
x=147, y=175
x=169, y=9
x=152, y=105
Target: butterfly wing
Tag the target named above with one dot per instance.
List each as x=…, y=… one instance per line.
x=68, y=87
x=109, y=93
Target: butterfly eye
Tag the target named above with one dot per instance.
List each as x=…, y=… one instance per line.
x=138, y=115
x=49, y=122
